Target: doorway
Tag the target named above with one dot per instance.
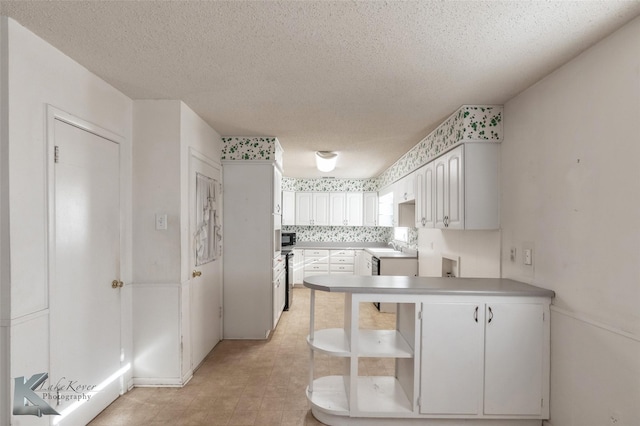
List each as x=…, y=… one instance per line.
x=84, y=253
x=205, y=223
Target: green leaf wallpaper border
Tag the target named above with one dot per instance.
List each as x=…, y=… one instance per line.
x=470, y=123
x=249, y=148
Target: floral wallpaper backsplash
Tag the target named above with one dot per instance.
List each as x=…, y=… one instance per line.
x=468, y=124
x=249, y=148
x=341, y=234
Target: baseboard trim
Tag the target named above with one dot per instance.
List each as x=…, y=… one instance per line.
x=157, y=382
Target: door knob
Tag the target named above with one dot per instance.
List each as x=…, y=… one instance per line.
x=117, y=284
x=196, y=273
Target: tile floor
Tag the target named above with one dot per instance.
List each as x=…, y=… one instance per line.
x=252, y=382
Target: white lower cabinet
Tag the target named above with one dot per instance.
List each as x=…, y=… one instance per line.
x=298, y=266
x=514, y=358
x=333, y=262
x=451, y=358
x=485, y=358
x=316, y=262
x=456, y=357
x=279, y=290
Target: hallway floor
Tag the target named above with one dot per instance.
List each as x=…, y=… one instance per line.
x=252, y=382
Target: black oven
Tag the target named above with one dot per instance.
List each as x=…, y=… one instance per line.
x=288, y=238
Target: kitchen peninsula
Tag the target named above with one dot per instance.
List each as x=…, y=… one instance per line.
x=472, y=351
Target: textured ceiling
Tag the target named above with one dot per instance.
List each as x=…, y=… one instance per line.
x=366, y=79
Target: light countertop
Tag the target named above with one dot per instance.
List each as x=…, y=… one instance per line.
x=389, y=284
x=379, y=250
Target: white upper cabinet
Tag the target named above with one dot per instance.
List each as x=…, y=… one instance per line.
x=466, y=194
x=424, y=199
x=337, y=208
x=449, y=193
x=353, y=213
x=386, y=216
x=405, y=190
x=345, y=209
x=312, y=208
x=288, y=208
x=370, y=204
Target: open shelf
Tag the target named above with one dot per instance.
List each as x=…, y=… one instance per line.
x=371, y=343
x=382, y=394
x=330, y=395
x=331, y=341
x=383, y=343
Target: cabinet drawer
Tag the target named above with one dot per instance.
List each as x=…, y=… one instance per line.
x=316, y=253
x=342, y=260
x=316, y=267
x=342, y=253
x=278, y=269
x=342, y=268
x=308, y=260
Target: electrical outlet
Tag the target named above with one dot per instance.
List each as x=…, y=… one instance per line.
x=512, y=254
x=161, y=221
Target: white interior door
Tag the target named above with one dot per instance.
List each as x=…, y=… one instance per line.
x=206, y=262
x=84, y=307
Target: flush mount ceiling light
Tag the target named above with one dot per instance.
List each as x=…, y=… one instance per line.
x=326, y=160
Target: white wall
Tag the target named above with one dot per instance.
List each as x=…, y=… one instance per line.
x=478, y=251
x=570, y=188
x=156, y=189
x=5, y=258
x=37, y=74
x=164, y=133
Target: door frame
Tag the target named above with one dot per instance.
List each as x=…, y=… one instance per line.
x=52, y=114
x=195, y=154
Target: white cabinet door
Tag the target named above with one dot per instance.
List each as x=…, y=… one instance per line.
x=298, y=266
x=449, y=190
x=455, y=189
x=320, y=209
x=288, y=208
x=277, y=191
x=353, y=212
x=304, y=208
x=514, y=358
x=370, y=203
x=451, y=380
x=424, y=197
x=406, y=188
x=337, y=208
x=385, y=207
x=312, y=208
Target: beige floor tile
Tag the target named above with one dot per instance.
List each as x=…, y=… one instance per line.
x=243, y=418
x=244, y=382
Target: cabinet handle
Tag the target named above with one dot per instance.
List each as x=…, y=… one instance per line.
x=475, y=314
x=490, y=314
x=424, y=221
x=446, y=221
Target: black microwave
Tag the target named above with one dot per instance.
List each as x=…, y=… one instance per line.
x=288, y=238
